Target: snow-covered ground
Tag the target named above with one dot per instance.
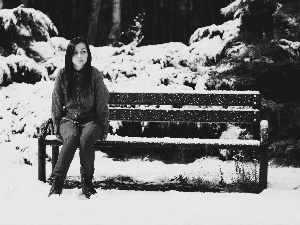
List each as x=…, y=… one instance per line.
x=23, y=199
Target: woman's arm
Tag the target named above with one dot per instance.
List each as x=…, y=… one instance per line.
x=58, y=103
x=101, y=103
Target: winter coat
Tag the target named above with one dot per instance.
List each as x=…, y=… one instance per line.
x=81, y=107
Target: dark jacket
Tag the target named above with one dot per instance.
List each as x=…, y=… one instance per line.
x=81, y=107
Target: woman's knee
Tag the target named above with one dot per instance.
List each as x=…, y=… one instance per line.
x=70, y=131
x=90, y=134
x=87, y=143
x=71, y=137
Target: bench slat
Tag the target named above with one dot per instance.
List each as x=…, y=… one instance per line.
x=172, y=115
x=175, y=143
x=217, y=98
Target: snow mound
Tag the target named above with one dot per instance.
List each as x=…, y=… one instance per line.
x=209, y=42
x=24, y=111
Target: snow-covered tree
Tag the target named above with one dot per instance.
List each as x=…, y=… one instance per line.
x=21, y=26
x=257, y=16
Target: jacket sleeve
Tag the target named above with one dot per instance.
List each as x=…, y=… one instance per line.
x=58, y=102
x=101, y=102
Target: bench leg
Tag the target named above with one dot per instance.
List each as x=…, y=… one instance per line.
x=41, y=159
x=263, y=173
x=55, y=152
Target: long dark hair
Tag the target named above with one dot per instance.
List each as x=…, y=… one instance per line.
x=69, y=68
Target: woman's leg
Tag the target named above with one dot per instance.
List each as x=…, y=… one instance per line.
x=70, y=133
x=90, y=134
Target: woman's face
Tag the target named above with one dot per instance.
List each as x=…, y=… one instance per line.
x=80, y=56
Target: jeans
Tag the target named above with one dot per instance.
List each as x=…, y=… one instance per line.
x=82, y=136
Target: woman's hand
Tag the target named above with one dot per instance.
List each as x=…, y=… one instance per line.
x=59, y=137
x=103, y=138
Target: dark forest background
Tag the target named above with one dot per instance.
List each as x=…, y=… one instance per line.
x=102, y=22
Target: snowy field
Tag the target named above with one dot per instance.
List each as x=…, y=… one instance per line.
x=23, y=199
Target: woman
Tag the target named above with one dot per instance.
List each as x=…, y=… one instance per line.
x=80, y=115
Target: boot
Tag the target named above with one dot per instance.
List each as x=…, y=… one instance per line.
x=57, y=185
x=87, y=186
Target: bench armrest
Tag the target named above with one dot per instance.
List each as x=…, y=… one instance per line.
x=44, y=128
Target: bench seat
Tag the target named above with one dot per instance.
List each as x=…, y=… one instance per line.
x=114, y=141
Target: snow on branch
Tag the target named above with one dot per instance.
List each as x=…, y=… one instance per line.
x=23, y=22
x=236, y=7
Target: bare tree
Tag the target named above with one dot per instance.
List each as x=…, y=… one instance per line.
x=116, y=22
x=93, y=22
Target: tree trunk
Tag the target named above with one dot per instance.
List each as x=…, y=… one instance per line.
x=115, y=30
x=84, y=19
x=211, y=9
x=93, y=22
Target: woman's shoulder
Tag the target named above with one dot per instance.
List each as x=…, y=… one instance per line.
x=96, y=73
x=59, y=72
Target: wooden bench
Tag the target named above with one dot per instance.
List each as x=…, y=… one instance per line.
x=206, y=107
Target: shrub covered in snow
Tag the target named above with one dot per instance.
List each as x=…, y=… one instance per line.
x=168, y=65
x=22, y=26
x=24, y=107
x=285, y=152
x=209, y=43
x=40, y=51
x=5, y=74
x=287, y=20
x=256, y=16
x=24, y=69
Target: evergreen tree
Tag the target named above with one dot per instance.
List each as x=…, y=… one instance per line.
x=257, y=16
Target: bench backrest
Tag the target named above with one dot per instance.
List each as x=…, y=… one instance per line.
x=205, y=107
